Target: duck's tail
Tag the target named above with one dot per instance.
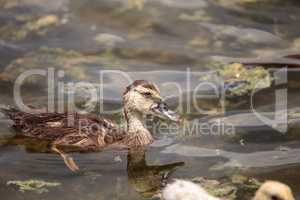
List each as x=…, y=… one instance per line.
x=8, y=111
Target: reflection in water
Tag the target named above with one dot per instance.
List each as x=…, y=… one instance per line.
x=268, y=158
x=147, y=179
x=32, y=145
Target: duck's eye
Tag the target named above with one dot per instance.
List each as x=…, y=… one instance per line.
x=275, y=198
x=147, y=94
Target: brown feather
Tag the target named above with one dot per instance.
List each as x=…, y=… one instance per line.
x=144, y=83
x=67, y=129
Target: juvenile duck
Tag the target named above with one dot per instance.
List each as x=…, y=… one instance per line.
x=87, y=132
x=273, y=190
x=186, y=190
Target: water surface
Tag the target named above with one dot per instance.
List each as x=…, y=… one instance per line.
x=146, y=39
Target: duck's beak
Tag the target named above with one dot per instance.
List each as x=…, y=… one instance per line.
x=161, y=110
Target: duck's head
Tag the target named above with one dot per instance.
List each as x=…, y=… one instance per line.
x=143, y=97
x=273, y=190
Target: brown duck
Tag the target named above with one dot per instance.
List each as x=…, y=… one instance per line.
x=88, y=132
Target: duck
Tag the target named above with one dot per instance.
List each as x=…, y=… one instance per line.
x=274, y=190
x=71, y=131
x=187, y=190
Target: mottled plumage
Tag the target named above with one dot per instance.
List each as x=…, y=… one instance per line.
x=88, y=132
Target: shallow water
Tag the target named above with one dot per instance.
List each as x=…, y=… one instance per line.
x=162, y=35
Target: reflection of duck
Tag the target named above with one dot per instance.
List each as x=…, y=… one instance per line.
x=186, y=190
x=147, y=180
x=87, y=132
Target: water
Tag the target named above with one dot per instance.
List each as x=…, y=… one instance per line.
x=164, y=35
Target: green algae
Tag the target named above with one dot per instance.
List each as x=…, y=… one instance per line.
x=240, y=80
x=254, y=78
x=230, y=188
x=37, y=186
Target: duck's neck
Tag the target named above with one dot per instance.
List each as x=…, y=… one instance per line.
x=134, y=121
x=138, y=135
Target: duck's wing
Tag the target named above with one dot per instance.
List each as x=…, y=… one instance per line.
x=38, y=125
x=80, y=142
x=71, y=128
x=84, y=140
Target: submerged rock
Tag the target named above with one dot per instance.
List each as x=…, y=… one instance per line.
x=42, y=59
x=74, y=64
x=30, y=25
